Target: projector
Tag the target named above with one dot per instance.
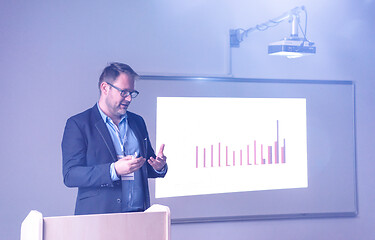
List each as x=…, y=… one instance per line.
x=292, y=48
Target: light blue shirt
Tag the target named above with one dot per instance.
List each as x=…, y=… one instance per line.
x=123, y=138
x=125, y=143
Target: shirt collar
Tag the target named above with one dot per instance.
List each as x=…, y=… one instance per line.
x=108, y=119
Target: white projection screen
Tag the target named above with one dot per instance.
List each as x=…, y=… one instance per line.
x=243, y=149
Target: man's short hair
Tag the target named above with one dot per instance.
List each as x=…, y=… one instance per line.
x=113, y=70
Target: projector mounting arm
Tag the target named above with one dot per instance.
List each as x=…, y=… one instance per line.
x=238, y=35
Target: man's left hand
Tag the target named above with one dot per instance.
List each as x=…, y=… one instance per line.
x=160, y=161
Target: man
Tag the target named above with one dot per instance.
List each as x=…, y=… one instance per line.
x=105, y=149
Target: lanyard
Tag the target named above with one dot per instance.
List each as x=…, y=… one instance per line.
x=121, y=141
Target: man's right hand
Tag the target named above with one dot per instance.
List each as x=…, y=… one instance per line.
x=128, y=164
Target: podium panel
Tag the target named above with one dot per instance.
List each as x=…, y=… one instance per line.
x=153, y=224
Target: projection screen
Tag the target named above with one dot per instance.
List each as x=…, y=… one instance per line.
x=241, y=149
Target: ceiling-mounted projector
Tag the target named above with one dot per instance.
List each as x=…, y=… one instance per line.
x=292, y=48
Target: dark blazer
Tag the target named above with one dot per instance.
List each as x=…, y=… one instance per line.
x=88, y=151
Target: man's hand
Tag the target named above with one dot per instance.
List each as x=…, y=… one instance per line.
x=128, y=164
x=160, y=161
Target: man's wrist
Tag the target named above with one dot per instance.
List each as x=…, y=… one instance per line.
x=112, y=170
x=161, y=171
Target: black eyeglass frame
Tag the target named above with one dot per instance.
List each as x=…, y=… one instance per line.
x=125, y=93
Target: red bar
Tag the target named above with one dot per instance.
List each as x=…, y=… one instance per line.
x=248, y=155
x=269, y=154
x=204, y=157
x=284, y=151
x=261, y=154
x=212, y=155
x=283, y=160
x=234, y=158
x=226, y=153
x=276, y=156
x=196, y=156
x=255, y=152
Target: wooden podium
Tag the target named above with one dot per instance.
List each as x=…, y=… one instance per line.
x=153, y=224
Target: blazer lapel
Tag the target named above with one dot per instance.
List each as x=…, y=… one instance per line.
x=103, y=131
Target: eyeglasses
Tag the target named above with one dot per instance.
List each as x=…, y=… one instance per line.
x=125, y=93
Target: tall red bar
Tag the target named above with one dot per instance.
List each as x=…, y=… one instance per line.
x=277, y=143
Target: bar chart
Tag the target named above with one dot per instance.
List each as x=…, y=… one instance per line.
x=223, y=145
x=204, y=156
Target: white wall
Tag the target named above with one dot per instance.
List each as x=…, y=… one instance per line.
x=52, y=52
